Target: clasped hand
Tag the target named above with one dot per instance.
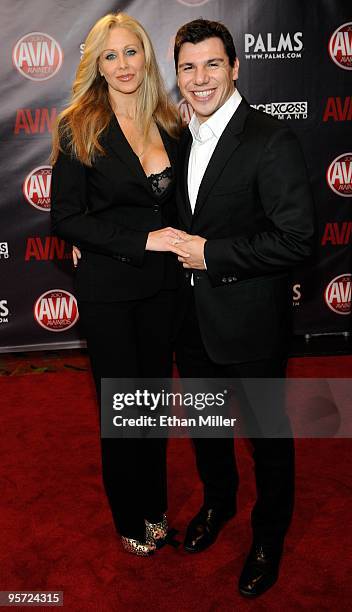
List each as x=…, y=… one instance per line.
x=188, y=248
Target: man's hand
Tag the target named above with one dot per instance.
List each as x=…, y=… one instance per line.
x=192, y=250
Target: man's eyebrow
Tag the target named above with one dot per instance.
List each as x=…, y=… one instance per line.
x=208, y=61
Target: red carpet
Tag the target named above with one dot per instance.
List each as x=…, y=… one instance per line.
x=56, y=531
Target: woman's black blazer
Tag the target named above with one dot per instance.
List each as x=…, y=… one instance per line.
x=108, y=210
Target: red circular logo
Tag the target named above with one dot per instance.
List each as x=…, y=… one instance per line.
x=185, y=110
x=339, y=175
x=37, y=187
x=56, y=310
x=340, y=46
x=37, y=56
x=338, y=294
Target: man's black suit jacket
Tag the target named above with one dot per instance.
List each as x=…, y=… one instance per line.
x=108, y=210
x=254, y=208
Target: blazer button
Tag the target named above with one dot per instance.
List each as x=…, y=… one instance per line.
x=156, y=208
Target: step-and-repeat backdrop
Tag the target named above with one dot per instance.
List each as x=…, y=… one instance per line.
x=295, y=63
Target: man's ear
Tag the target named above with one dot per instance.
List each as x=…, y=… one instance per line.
x=235, y=69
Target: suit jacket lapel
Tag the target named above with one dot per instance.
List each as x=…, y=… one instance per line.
x=170, y=147
x=228, y=143
x=118, y=143
x=184, y=205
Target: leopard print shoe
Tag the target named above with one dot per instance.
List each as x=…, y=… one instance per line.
x=156, y=533
x=142, y=549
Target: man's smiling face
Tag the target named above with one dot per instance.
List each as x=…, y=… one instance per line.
x=205, y=77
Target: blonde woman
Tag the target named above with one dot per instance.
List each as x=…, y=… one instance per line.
x=114, y=152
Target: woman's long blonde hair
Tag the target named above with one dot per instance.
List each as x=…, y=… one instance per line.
x=81, y=124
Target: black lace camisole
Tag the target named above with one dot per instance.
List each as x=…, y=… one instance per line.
x=161, y=182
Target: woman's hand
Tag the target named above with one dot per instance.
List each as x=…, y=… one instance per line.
x=165, y=240
x=76, y=255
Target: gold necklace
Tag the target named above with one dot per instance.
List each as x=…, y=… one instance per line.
x=139, y=155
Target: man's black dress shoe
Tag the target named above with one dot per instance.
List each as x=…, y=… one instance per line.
x=205, y=527
x=261, y=568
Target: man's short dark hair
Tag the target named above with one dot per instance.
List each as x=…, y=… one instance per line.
x=200, y=29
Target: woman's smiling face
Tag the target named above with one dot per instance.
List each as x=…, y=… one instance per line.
x=122, y=61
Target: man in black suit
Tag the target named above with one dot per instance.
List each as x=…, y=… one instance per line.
x=244, y=204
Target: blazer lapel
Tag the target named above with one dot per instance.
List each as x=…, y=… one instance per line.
x=184, y=205
x=228, y=143
x=170, y=146
x=118, y=143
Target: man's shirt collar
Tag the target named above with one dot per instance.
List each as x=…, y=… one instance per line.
x=215, y=125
